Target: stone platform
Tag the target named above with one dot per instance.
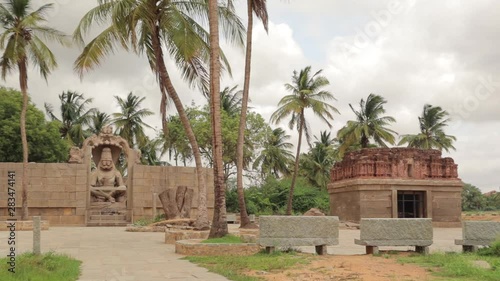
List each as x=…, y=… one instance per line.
x=22, y=225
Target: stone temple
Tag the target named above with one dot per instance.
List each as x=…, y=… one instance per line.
x=396, y=183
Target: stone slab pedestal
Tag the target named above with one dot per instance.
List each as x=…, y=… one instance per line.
x=23, y=225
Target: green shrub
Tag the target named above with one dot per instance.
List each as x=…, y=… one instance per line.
x=143, y=222
x=492, y=250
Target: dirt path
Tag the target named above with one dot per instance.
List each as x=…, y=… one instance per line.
x=359, y=267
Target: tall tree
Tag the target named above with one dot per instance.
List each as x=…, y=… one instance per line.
x=21, y=43
x=219, y=222
x=44, y=140
x=98, y=121
x=369, y=124
x=317, y=163
x=128, y=121
x=148, y=25
x=260, y=9
x=275, y=158
x=432, y=135
x=306, y=92
x=230, y=100
x=176, y=142
x=152, y=151
x=74, y=116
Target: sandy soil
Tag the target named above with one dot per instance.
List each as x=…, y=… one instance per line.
x=485, y=217
x=359, y=267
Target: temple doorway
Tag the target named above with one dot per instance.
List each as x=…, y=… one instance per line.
x=411, y=204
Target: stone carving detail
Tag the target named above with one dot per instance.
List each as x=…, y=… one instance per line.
x=107, y=176
x=177, y=202
x=75, y=155
x=138, y=155
x=106, y=149
x=394, y=163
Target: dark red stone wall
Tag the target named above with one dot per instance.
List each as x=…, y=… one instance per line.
x=394, y=163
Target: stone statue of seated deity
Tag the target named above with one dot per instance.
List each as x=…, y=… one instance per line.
x=109, y=178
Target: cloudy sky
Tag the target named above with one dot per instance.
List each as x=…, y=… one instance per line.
x=411, y=52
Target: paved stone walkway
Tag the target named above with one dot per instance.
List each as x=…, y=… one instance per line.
x=112, y=254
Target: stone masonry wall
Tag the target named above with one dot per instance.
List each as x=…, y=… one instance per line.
x=147, y=180
x=56, y=191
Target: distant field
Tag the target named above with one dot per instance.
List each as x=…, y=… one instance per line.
x=481, y=215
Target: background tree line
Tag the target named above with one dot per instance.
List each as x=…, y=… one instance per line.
x=474, y=200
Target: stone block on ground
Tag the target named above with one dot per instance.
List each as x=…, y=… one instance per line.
x=399, y=232
x=289, y=231
x=486, y=231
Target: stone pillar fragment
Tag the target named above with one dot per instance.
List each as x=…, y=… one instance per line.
x=36, y=235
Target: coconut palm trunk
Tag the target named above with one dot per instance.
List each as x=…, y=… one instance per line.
x=244, y=220
x=202, y=221
x=219, y=223
x=23, y=82
x=296, y=166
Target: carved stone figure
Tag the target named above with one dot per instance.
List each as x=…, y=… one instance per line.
x=75, y=155
x=107, y=176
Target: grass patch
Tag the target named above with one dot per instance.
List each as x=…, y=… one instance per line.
x=227, y=239
x=148, y=221
x=234, y=268
x=455, y=266
x=46, y=267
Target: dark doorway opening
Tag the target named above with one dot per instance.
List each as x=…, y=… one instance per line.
x=411, y=204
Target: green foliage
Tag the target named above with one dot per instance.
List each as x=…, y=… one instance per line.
x=472, y=198
x=45, y=143
x=492, y=250
x=432, y=135
x=227, y=239
x=148, y=221
x=458, y=266
x=234, y=267
x=369, y=125
x=275, y=158
x=45, y=267
x=271, y=197
x=74, y=116
x=316, y=164
x=143, y=222
x=255, y=135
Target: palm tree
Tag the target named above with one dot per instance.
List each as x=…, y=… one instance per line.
x=230, y=100
x=432, y=123
x=129, y=124
x=146, y=26
x=258, y=7
x=152, y=151
x=21, y=43
x=369, y=124
x=306, y=92
x=98, y=121
x=219, y=223
x=74, y=116
x=316, y=164
x=275, y=159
